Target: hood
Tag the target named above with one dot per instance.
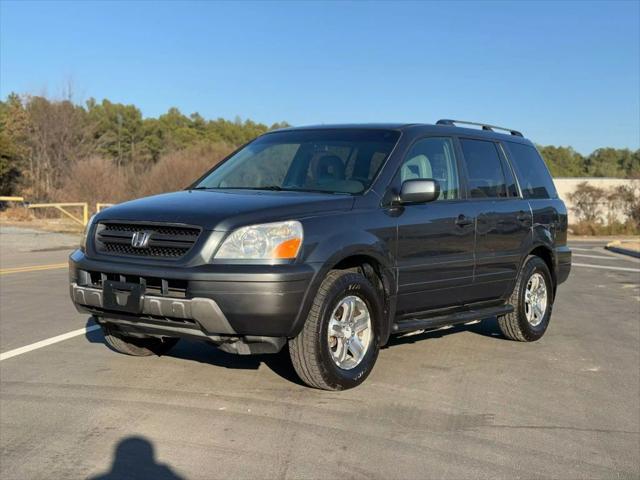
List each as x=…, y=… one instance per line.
x=225, y=210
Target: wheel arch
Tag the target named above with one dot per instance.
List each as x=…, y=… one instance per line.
x=375, y=266
x=546, y=253
x=383, y=281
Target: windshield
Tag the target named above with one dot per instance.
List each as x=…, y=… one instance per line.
x=333, y=161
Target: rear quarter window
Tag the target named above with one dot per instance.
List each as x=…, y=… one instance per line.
x=533, y=175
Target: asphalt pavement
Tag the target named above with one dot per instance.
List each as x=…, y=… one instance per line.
x=458, y=403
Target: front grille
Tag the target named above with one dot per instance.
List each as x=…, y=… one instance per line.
x=164, y=241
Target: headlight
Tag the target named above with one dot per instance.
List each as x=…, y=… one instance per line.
x=85, y=234
x=267, y=241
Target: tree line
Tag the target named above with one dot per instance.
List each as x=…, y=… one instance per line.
x=48, y=146
x=603, y=162
x=43, y=140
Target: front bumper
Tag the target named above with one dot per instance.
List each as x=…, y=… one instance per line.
x=202, y=312
x=237, y=300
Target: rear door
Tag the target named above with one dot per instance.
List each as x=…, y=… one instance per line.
x=503, y=218
x=435, y=239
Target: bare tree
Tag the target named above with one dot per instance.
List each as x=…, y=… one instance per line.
x=587, y=201
x=55, y=140
x=628, y=198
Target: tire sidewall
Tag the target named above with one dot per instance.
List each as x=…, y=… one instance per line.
x=356, y=285
x=534, y=265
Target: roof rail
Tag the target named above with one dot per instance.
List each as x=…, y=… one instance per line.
x=484, y=126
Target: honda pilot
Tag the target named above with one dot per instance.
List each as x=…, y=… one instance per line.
x=329, y=240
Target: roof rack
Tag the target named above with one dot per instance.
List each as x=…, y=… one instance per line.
x=484, y=126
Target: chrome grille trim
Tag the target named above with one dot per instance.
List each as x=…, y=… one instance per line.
x=166, y=241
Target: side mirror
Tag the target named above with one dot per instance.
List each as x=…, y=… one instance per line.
x=419, y=191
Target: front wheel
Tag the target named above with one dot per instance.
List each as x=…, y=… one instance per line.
x=338, y=345
x=532, y=299
x=138, y=347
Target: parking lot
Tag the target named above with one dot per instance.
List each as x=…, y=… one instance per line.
x=457, y=403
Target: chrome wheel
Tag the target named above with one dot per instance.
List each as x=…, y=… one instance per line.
x=535, y=299
x=349, y=333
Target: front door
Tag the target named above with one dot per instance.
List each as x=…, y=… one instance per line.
x=435, y=257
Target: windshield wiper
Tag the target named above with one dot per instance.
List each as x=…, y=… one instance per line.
x=276, y=188
x=266, y=187
x=287, y=189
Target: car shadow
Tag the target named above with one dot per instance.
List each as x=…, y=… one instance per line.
x=487, y=328
x=134, y=457
x=203, y=352
x=280, y=363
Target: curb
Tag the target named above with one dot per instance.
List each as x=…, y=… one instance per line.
x=617, y=248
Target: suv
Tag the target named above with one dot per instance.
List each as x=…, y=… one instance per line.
x=331, y=239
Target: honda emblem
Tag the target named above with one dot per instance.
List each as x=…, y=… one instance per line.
x=140, y=239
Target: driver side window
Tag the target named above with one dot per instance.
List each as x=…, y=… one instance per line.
x=434, y=158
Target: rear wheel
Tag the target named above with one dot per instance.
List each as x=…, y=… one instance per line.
x=338, y=344
x=532, y=299
x=138, y=347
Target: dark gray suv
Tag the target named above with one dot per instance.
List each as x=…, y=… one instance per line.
x=331, y=239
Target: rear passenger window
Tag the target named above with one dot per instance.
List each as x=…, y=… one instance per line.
x=484, y=169
x=533, y=175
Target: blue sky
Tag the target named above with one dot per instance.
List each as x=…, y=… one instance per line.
x=563, y=73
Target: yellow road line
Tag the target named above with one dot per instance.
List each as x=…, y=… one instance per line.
x=32, y=268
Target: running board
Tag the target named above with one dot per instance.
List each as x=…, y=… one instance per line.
x=452, y=319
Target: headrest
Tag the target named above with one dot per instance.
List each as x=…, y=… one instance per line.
x=329, y=167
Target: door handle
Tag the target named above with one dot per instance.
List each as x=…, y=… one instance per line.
x=522, y=217
x=463, y=220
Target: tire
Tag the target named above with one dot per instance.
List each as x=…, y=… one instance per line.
x=517, y=325
x=313, y=350
x=135, y=346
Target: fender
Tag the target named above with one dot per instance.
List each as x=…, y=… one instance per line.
x=542, y=237
x=334, y=249
x=549, y=230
